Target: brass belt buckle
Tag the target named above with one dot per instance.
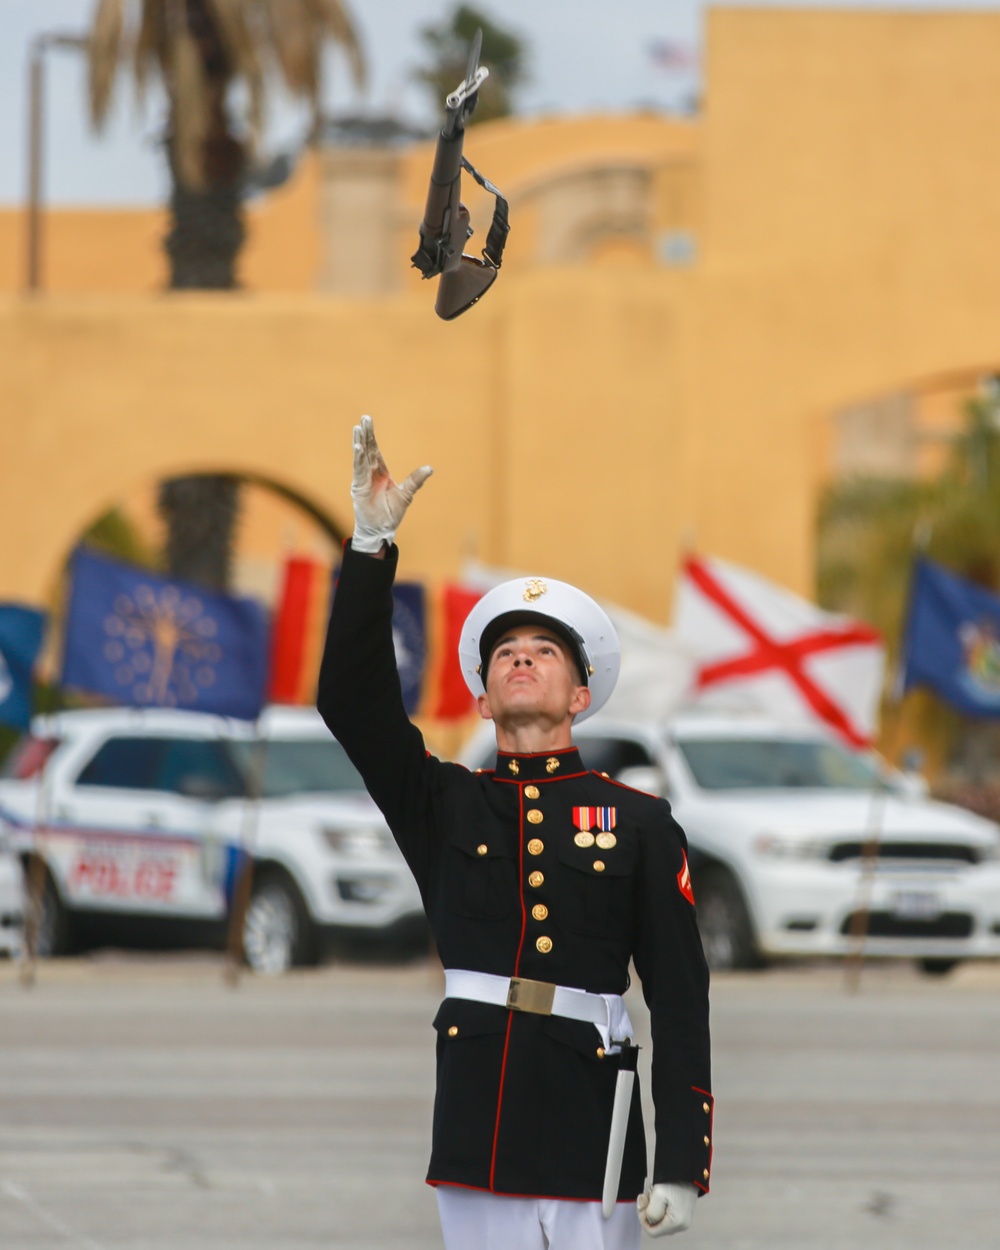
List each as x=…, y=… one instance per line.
x=533, y=996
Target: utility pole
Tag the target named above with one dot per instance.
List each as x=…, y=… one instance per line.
x=40, y=45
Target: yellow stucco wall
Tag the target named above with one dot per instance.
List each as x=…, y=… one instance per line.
x=107, y=250
x=588, y=419
x=534, y=444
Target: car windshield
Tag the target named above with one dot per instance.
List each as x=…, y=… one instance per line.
x=301, y=766
x=776, y=764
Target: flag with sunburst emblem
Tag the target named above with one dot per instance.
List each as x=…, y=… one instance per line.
x=141, y=639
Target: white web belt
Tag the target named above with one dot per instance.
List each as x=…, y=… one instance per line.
x=606, y=1012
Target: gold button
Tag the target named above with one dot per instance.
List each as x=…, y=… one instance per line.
x=705, y=1174
x=531, y=792
x=482, y=848
x=453, y=1031
x=551, y=764
x=513, y=766
x=535, y=817
x=584, y=839
x=606, y=841
x=706, y=1108
x=536, y=846
x=544, y=944
x=539, y=911
x=598, y=865
x=600, y=1052
x=536, y=879
x=708, y=1141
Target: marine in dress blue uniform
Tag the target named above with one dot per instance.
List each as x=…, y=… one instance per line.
x=542, y=880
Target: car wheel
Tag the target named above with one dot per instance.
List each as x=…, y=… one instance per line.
x=937, y=967
x=277, y=932
x=727, y=933
x=54, y=934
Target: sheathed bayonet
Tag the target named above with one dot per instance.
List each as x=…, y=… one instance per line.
x=619, y=1126
x=445, y=228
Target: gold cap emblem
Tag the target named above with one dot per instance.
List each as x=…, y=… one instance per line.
x=551, y=764
x=534, y=588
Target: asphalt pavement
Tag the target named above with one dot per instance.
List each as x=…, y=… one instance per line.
x=147, y=1105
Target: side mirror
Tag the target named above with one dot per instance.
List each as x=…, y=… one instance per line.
x=461, y=287
x=644, y=777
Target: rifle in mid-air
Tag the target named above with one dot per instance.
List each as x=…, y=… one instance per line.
x=445, y=227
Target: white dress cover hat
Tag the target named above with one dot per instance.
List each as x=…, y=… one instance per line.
x=577, y=618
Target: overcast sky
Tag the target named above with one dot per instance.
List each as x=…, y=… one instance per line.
x=584, y=55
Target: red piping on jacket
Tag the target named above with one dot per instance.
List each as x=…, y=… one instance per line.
x=517, y=967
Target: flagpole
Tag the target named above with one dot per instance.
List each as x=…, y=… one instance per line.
x=248, y=841
x=896, y=694
x=35, y=884
x=870, y=848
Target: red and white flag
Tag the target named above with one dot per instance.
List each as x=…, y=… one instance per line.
x=760, y=648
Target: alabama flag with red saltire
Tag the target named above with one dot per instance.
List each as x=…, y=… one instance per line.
x=760, y=648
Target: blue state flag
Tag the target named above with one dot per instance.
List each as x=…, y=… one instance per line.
x=151, y=641
x=409, y=637
x=21, y=633
x=952, y=641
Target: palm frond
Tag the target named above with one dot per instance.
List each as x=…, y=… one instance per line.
x=150, y=45
x=335, y=20
x=104, y=52
x=237, y=31
x=188, y=93
x=291, y=36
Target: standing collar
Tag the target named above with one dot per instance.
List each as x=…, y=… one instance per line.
x=538, y=766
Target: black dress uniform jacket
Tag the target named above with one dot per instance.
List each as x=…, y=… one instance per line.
x=524, y=1101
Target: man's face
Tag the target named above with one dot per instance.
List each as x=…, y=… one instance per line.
x=532, y=678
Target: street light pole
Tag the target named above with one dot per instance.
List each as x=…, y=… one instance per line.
x=36, y=135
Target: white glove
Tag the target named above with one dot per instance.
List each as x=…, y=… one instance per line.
x=379, y=504
x=667, y=1209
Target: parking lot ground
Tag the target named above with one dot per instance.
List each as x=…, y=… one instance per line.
x=147, y=1105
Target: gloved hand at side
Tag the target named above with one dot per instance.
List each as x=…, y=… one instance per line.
x=379, y=504
x=667, y=1209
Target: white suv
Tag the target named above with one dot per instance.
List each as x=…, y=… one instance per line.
x=11, y=899
x=777, y=820
x=140, y=820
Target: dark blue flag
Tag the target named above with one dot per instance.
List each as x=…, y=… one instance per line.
x=952, y=641
x=21, y=631
x=409, y=636
x=150, y=641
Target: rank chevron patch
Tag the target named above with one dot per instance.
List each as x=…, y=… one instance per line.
x=684, y=880
x=587, y=819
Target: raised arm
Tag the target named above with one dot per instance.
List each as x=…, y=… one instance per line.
x=359, y=694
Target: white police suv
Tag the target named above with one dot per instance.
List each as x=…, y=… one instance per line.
x=778, y=820
x=141, y=819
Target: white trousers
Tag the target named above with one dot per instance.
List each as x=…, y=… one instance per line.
x=472, y=1219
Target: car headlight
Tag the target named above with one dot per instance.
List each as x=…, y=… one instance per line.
x=789, y=846
x=363, y=841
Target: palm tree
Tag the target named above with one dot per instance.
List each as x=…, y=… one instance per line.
x=200, y=49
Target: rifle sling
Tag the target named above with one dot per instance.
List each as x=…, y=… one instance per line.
x=500, y=226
